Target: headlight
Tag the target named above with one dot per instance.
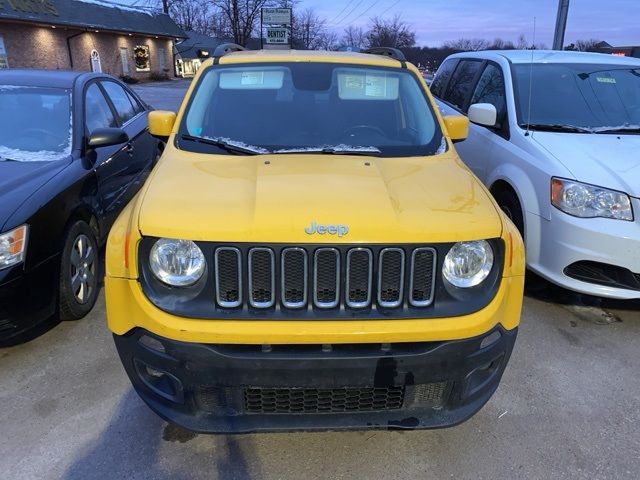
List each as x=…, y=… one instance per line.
x=588, y=201
x=178, y=263
x=468, y=263
x=13, y=246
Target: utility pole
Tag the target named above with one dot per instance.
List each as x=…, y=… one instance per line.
x=561, y=24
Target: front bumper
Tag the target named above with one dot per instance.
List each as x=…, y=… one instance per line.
x=247, y=388
x=565, y=240
x=27, y=298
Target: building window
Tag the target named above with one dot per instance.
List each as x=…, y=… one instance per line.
x=96, y=66
x=124, y=58
x=142, y=58
x=3, y=54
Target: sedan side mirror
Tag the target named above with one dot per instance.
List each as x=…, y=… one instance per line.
x=106, y=137
x=161, y=123
x=483, y=114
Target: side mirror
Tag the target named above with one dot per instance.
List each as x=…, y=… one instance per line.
x=106, y=137
x=483, y=114
x=457, y=127
x=161, y=123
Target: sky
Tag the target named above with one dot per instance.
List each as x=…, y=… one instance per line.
x=436, y=21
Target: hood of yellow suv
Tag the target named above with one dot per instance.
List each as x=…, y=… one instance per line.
x=352, y=199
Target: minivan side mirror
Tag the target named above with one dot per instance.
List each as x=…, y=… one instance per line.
x=483, y=114
x=106, y=137
x=457, y=127
x=161, y=123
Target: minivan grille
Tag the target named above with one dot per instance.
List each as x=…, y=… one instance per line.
x=324, y=277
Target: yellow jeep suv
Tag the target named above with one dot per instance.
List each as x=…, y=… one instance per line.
x=310, y=253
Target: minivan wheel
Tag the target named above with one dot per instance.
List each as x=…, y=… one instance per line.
x=78, y=272
x=508, y=201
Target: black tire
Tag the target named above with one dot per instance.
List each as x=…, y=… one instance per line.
x=79, y=267
x=508, y=201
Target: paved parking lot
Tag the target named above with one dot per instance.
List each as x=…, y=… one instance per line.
x=568, y=407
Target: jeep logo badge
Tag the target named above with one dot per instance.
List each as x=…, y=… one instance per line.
x=340, y=230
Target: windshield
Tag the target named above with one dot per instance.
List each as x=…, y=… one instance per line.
x=313, y=107
x=36, y=123
x=594, y=97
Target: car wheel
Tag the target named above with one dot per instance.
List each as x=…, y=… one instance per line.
x=508, y=201
x=78, y=272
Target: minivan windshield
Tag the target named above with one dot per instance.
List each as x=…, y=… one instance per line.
x=584, y=98
x=309, y=107
x=36, y=123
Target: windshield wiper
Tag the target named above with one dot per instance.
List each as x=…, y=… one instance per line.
x=337, y=150
x=544, y=127
x=223, y=144
x=621, y=129
x=7, y=159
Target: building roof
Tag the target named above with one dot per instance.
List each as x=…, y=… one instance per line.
x=197, y=43
x=91, y=14
x=550, y=56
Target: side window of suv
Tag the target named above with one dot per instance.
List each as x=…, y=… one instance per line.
x=442, y=77
x=490, y=89
x=462, y=81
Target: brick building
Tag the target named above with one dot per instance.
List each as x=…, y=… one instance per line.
x=86, y=35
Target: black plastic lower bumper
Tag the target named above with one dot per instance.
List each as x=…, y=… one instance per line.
x=28, y=299
x=247, y=388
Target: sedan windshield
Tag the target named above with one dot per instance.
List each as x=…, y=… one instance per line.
x=36, y=123
x=309, y=107
x=579, y=98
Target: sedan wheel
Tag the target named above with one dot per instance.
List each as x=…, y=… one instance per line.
x=78, y=272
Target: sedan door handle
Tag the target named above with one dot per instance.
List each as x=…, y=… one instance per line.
x=129, y=148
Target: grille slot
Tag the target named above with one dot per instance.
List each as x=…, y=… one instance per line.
x=228, y=271
x=358, y=277
x=317, y=400
x=421, y=282
x=326, y=278
x=391, y=277
x=294, y=277
x=262, y=284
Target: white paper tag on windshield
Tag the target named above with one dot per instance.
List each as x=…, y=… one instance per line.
x=252, y=78
x=606, y=79
x=375, y=86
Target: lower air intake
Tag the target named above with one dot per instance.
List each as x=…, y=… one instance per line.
x=311, y=400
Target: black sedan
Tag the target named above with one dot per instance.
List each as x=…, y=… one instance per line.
x=74, y=150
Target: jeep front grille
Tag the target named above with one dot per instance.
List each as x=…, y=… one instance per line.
x=324, y=278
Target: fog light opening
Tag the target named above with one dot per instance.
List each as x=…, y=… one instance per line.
x=160, y=382
x=152, y=343
x=490, y=339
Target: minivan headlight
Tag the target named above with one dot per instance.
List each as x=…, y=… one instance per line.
x=589, y=201
x=179, y=263
x=468, y=263
x=13, y=246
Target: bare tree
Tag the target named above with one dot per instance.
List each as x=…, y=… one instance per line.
x=500, y=44
x=354, y=37
x=309, y=29
x=390, y=33
x=241, y=16
x=328, y=41
x=192, y=15
x=587, y=45
x=467, y=44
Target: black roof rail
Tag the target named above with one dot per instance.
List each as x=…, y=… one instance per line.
x=387, y=52
x=225, y=48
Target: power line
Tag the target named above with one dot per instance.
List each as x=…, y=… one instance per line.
x=366, y=10
x=350, y=12
x=393, y=5
x=342, y=11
